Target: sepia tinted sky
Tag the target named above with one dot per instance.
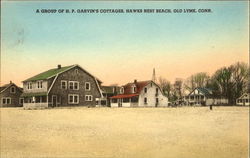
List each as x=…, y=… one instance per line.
x=118, y=48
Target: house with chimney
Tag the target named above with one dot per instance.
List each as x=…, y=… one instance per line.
x=140, y=94
x=62, y=86
x=10, y=95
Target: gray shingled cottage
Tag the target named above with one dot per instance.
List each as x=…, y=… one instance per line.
x=10, y=95
x=61, y=86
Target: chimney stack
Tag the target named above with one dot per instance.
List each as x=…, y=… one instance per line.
x=10, y=82
x=135, y=81
x=59, y=66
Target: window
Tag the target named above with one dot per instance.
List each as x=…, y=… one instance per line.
x=73, y=99
x=133, y=89
x=125, y=100
x=29, y=85
x=87, y=86
x=39, y=84
x=88, y=98
x=13, y=89
x=76, y=71
x=21, y=100
x=63, y=84
x=6, y=100
x=145, y=90
x=145, y=100
x=157, y=90
x=122, y=90
x=74, y=85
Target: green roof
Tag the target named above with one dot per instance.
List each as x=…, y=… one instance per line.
x=33, y=94
x=49, y=73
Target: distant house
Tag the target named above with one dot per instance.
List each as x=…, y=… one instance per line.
x=107, y=92
x=140, y=94
x=10, y=95
x=199, y=96
x=61, y=86
x=243, y=100
x=203, y=96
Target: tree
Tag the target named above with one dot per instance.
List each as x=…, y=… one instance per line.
x=200, y=79
x=178, y=88
x=231, y=82
x=165, y=85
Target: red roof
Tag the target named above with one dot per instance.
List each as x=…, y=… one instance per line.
x=124, y=96
x=139, y=86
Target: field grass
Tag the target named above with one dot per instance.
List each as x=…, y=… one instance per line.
x=186, y=132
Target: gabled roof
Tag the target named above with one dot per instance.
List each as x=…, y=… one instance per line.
x=245, y=95
x=139, y=86
x=204, y=91
x=49, y=73
x=6, y=86
x=53, y=72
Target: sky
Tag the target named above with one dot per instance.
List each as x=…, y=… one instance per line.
x=120, y=47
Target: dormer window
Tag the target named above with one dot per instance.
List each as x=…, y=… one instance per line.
x=122, y=90
x=133, y=89
x=13, y=90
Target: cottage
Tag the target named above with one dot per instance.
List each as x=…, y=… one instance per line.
x=243, y=100
x=140, y=94
x=10, y=95
x=203, y=96
x=107, y=92
x=199, y=96
x=61, y=86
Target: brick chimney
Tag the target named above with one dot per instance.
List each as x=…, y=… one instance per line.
x=135, y=81
x=59, y=66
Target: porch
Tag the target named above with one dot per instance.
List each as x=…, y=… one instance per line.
x=35, y=100
x=129, y=100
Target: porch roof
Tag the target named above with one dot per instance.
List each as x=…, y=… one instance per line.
x=124, y=96
x=34, y=94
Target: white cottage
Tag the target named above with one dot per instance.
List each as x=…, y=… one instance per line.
x=244, y=99
x=140, y=94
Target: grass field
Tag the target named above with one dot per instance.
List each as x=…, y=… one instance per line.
x=186, y=132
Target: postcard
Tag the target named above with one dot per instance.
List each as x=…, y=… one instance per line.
x=115, y=79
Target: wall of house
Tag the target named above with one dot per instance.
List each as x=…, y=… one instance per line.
x=114, y=105
x=14, y=97
x=35, y=88
x=151, y=97
x=81, y=77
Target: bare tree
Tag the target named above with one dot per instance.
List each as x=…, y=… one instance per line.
x=178, y=88
x=165, y=85
x=197, y=80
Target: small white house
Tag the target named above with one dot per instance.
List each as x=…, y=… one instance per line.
x=140, y=94
x=204, y=96
x=243, y=100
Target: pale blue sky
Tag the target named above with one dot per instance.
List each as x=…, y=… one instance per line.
x=127, y=43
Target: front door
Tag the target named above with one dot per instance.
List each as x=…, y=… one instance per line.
x=54, y=100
